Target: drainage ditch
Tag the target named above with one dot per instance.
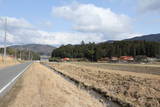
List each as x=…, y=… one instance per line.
x=95, y=92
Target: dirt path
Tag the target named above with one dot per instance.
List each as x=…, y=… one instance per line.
x=40, y=87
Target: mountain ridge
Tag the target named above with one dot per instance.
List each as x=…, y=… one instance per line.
x=150, y=37
x=37, y=48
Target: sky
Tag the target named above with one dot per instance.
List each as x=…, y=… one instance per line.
x=57, y=22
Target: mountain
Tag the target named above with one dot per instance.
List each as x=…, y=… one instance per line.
x=110, y=41
x=37, y=48
x=151, y=37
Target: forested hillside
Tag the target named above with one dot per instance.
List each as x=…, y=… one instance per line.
x=94, y=51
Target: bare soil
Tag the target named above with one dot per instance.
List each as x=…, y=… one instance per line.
x=40, y=87
x=139, y=68
x=138, y=89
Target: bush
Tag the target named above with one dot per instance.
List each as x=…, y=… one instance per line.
x=54, y=59
x=141, y=58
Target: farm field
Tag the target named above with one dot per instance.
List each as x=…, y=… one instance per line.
x=137, y=85
x=139, y=68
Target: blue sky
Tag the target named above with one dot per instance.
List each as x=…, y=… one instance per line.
x=52, y=24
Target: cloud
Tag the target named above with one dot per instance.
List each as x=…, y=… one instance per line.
x=149, y=5
x=68, y=38
x=90, y=24
x=20, y=31
x=15, y=23
x=129, y=35
x=45, y=24
x=90, y=18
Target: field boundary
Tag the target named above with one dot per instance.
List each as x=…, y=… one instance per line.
x=102, y=96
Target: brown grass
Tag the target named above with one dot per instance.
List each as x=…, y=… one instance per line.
x=135, y=88
x=9, y=62
x=43, y=88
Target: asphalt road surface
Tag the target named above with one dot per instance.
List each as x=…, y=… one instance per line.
x=8, y=75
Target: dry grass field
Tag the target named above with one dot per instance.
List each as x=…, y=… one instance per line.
x=9, y=61
x=41, y=87
x=138, y=89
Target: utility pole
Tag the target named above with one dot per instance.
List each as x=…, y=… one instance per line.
x=29, y=55
x=5, y=38
x=20, y=54
x=15, y=54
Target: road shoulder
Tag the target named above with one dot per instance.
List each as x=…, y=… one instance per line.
x=42, y=87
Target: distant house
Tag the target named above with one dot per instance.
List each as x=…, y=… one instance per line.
x=104, y=59
x=114, y=59
x=126, y=58
x=66, y=59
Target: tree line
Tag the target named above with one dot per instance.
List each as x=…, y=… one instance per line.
x=23, y=54
x=93, y=52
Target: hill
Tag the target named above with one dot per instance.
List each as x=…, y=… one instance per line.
x=37, y=48
x=151, y=37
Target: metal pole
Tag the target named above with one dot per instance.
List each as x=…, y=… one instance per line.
x=15, y=54
x=20, y=54
x=5, y=38
x=28, y=54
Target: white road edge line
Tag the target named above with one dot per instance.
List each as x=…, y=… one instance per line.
x=14, y=79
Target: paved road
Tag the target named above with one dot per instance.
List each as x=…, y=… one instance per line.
x=9, y=74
